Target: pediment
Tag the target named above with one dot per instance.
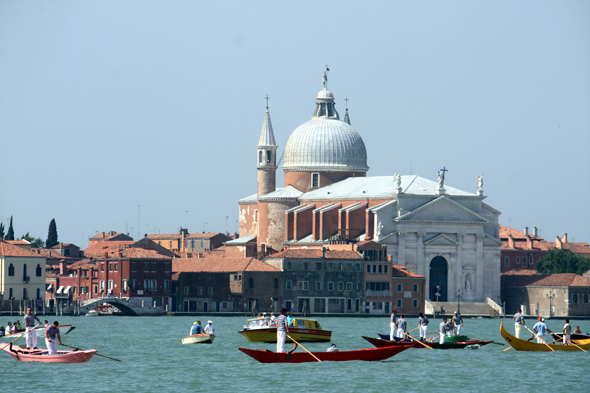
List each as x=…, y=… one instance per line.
x=490, y=240
x=441, y=240
x=442, y=210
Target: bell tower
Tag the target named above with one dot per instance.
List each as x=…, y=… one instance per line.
x=266, y=156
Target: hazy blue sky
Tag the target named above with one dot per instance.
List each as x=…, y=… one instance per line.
x=107, y=105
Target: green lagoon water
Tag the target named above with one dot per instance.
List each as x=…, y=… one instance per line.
x=154, y=360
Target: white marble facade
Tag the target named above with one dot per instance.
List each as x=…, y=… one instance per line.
x=462, y=229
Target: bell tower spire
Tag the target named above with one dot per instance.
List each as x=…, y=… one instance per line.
x=267, y=156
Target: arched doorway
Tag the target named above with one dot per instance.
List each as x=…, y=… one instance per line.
x=439, y=269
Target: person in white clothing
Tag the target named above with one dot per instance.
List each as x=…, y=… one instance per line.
x=332, y=348
x=51, y=334
x=423, y=325
x=29, y=321
x=282, y=330
x=401, y=327
x=393, y=326
x=209, y=329
x=518, y=323
x=458, y=323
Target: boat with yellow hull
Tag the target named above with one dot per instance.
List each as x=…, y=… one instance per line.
x=523, y=345
x=302, y=330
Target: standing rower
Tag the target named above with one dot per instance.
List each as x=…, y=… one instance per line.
x=567, y=331
x=29, y=321
x=50, y=334
x=541, y=329
x=423, y=326
x=458, y=323
x=443, y=330
x=401, y=327
x=282, y=330
x=393, y=326
x=518, y=323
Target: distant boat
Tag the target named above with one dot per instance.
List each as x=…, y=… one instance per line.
x=524, y=345
x=92, y=313
x=369, y=355
x=199, y=339
x=41, y=355
x=302, y=330
x=40, y=331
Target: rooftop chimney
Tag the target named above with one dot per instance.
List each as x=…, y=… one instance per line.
x=526, y=231
x=323, y=252
x=535, y=232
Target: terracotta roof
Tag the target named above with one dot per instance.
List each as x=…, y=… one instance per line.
x=521, y=244
x=167, y=236
x=316, y=254
x=57, y=246
x=84, y=264
x=15, y=242
x=170, y=236
x=220, y=265
x=516, y=234
x=107, y=235
x=10, y=250
x=401, y=271
x=217, y=253
x=531, y=278
x=98, y=249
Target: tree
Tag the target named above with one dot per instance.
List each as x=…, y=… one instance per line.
x=52, y=235
x=10, y=234
x=36, y=242
x=1, y=231
x=559, y=260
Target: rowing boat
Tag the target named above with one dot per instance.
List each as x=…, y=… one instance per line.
x=453, y=342
x=302, y=330
x=523, y=345
x=42, y=355
x=382, y=343
x=199, y=339
x=574, y=336
x=369, y=355
x=40, y=332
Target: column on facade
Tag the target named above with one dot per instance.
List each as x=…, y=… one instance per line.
x=459, y=266
x=420, y=268
x=479, y=267
x=401, y=248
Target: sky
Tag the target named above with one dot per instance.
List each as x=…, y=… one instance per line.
x=143, y=116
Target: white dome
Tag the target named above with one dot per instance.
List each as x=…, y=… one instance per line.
x=325, y=144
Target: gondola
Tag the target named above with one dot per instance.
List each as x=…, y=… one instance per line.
x=453, y=342
x=523, y=345
x=22, y=354
x=368, y=355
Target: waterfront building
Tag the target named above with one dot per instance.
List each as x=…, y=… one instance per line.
x=184, y=241
x=389, y=287
x=110, y=236
x=447, y=235
x=22, y=276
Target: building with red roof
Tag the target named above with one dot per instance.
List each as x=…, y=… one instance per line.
x=183, y=241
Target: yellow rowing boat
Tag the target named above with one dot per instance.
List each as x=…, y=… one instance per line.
x=523, y=345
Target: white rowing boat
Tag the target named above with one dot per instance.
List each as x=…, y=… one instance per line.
x=199, y=339
x=64, y=329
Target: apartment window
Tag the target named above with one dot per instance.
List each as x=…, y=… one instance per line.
x=153, y=267
x=302, y=285
x=73, y=290
x=154, y=285
x=368, y=268
x=340, y=266
x=101, y=285
x=399, y=303
x=192, y=244
x=224, y=305
x=330, y=286
x=102, y=267
x=358, y=267
x=415, y=287
x=186, y=290
x=199, y=291
x=39, y=293
x=110, y=267
x=318, y=266
x=38, y=271
x=133, y=285
x=575, y=298
x=349, y=286
x=166, y=285
x=251, y=282
x=110, y=285
x=399, y=288
x=167, y=267
x=385, y=269
x=256, y=216
x=11, y=270
x=305, y=266
x=315, y=180
x=288, y=285
x=374, y=268
x=116, y=267
x=380, y=268
x=289, y=266
x=318, y=285
x=585, y=298
x=341, y=286
x=531, y=260
x=415, y=303
x=210, y=291
x=518, y=260
x=506, y=261
x=133, y=266
x=275, y=283
x=170, y=243
x=348, y=267
x=358, y=286
x=95, y=290
x=330, y=266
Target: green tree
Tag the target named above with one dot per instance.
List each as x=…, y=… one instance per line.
x=36, y=242
x=10, y=234
x=1, y=231
x=562, y=261
x=52, y=235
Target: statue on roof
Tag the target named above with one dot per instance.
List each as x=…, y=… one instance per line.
x=325, y=78
x=479, y=181
x=441, y=180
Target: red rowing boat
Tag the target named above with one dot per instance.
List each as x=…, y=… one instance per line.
x=41, y=355
x=369, y=355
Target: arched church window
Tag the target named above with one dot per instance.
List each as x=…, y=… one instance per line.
x=260, y=157
x=268, y=156
x=11, y=270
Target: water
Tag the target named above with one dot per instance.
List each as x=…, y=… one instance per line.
x=154, y=360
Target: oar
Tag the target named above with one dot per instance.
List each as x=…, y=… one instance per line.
x=412, y=338
x=414, y=329
x=304, y=348
x=477, y=339
x=552, y=350
x=25, y=332
x=573, y=343
x=97, y=354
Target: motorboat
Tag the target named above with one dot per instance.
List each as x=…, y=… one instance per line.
x=302, y=330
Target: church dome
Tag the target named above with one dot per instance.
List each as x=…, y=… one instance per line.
x=325, y=143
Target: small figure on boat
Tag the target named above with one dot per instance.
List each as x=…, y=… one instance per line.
x=443, y=330
x=458, y=323
x=209, y=329
x=577, y=331
x=273, y=320
x=197, y=328
x=51, y=334
x=518, y=323
x=17, y=326
x=567, y=333
x=282, y=330
x=263, y=321
x=332, y=348
x=290, y=319
x=423, y=326
x=393, y=326
x=46, y=324
x=401, y=327
x=29, y=321
x=541, y=329
x=8, y=329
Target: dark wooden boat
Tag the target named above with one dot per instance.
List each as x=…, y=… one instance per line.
x=453, y=342
x=381, y=343
x=368, y=355
x=574, y=336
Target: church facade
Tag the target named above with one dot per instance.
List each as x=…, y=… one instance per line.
x=449, y=236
